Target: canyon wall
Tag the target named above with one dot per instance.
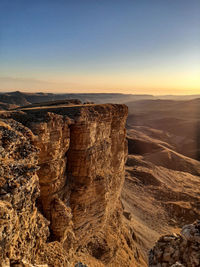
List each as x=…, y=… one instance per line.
x=61, y=180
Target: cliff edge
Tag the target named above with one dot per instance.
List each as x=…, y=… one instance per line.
x=62, y=172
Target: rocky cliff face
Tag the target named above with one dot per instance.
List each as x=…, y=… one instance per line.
x=61, y=180
x=23, y=229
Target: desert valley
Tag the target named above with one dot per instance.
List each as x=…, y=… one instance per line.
x=99, y=180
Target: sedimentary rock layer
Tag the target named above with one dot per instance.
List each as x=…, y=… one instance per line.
x=77, y=156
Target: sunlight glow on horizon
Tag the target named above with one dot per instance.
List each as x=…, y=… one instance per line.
x=128, y=84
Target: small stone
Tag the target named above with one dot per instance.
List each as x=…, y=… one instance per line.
x=166, y=257
x=169, y=250
x=177, y=264
x=168, y=238
x=176, y=255
x=80, y=264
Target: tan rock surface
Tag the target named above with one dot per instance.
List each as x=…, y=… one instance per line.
x=22, y=228
x=81, y=156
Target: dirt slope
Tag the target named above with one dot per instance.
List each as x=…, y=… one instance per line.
x=161, y=190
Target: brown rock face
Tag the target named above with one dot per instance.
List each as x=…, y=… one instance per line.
x=23, y=229
x=52, y=139
x=96, y=168
x=81, y=158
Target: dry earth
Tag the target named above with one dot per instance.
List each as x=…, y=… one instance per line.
x=161, y=190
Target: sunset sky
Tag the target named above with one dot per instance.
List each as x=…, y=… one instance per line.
x=124, y=46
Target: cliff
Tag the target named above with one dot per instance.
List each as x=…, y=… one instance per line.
x=62, y=172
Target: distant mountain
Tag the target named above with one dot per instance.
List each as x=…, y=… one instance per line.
x=24, y=99
x=6, y=106
x=179, y=97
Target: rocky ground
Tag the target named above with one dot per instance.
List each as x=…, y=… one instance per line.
x=178, y=249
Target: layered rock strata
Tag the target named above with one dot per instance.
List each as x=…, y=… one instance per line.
x=178, y=250
x=76, y=160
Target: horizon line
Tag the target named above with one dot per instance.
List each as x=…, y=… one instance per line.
x=62, y=93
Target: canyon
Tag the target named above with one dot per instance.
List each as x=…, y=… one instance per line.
x=82, y=185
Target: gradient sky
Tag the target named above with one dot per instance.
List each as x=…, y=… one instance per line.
x=127, y=46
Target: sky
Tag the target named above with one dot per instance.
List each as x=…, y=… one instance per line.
x=122, y=46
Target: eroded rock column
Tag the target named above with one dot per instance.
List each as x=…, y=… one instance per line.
x=95, y=166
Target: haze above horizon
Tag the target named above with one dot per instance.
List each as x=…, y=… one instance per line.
x=138, y=47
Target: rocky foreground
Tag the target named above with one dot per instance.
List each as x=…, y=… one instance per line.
x=62, y=172
x=178, y=250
